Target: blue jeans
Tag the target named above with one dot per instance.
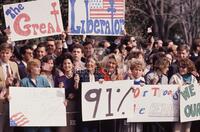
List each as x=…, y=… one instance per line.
x=37, y=129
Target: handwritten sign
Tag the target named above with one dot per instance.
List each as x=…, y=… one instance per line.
x=190, y=103
x=110, y=100
x=33, y=19
x=96, y=17
x=37, y=107
x=153, y=103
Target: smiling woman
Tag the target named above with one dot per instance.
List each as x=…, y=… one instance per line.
x=90, y=74
x=110, y=68
x=70, y=82
x=184, y=77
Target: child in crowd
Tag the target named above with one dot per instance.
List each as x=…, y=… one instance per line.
x=136, y=74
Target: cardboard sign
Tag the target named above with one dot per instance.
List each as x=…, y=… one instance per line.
x=96, y=17
x=33, y=19
x=110, y=100
x=155, y=103
x=37, y=107
x=190, y=103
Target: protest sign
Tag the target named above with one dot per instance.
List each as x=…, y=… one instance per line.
x=37, y=107
x=110, y=100
x=190, y=103
x=33, y=19
x=96, y=17
x=155, y=103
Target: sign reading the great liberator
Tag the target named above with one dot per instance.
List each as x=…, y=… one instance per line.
x=37, y=107
x=190, y=103
x=155, y=103
x=110, y=100
x=33, y=19
x=97, y=17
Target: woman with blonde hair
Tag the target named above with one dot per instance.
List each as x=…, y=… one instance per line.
x=110, y=68
x=35, y=80
x=111, y=72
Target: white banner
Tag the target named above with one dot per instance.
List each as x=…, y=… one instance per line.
x=96, y=17
x=109, y=100
x=37, y=107
x=33, y=19
x=190, y=103
x=155, y=103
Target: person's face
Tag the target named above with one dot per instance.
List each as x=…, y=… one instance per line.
x=106, y=44
x=183, y=70
x=28, y=55
x=6, y=55
x=59, y=49
x=132, y=42
x=160, y=43
x=165, y=70
x=91, y=65
x=198, y=47
x=51, y=47
x=41, y=52
x=77, y=54
x=124, y=51
x=111, y=65
x=169, y=57
x=35, y=70
x=51, y=64
x=88, y=50
x=67, y=65
x=137, y=72
x=170, y=44
x=182, y=54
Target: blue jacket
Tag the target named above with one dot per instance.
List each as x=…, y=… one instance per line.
x=40, y=82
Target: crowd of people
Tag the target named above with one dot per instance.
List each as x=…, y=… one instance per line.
x=65, y=62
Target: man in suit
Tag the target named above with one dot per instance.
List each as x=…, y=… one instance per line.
x=27, y=55
x=8, y=77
